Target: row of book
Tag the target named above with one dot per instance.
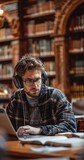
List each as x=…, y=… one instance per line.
x=32, y=28
x=77, y=88
x=5, y=91
x=77, y=91
x=76, y=45
x=51, y=82
x=6, y=70
x=77, y=95
x=5, y=51
x=41, y=47
x=9, y=50
x=5, y=34
x=77, y=67
x=77, y=63
x=10, y=7
x=40, y=6
x=49, y=66
x=77, y=71
x=77, y=23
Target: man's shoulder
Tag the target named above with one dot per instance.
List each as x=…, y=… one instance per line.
x=56, y=92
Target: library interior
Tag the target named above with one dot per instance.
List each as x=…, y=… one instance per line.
x=53, y=32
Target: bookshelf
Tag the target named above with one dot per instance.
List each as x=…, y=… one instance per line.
x=5, y=63
x=69, y=49
x=51, y=31
x=9, y=51
x=76, y=53
x=38, y=28
x=34, y=35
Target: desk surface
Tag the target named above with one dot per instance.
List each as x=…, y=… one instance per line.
x=15, y=148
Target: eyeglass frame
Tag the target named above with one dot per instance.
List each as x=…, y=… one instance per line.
x=31, y=82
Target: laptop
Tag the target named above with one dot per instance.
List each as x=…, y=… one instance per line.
x=6, y=124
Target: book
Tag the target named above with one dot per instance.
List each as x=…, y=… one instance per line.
x=76, y=134
x=45, y=140
x=56, y=141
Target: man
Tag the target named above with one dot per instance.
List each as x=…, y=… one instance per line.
x=36, y=108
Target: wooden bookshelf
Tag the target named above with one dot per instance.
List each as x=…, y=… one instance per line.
x=76, y=53
x=9, y=50
x=69, y=49
x=38, y=28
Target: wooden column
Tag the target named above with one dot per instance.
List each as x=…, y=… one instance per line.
x=62, y=64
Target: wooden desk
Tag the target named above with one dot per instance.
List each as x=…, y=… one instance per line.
x=16, y=149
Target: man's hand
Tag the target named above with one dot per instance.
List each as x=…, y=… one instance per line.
x=28, y=130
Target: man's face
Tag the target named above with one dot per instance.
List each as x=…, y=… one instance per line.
x=32, y=82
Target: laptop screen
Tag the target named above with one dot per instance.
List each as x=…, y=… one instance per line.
x=6, y=124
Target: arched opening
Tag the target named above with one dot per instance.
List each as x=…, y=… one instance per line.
x=75, y=42
x=62, y=48
x=64, y=15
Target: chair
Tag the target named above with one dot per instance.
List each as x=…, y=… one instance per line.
x=78, y=109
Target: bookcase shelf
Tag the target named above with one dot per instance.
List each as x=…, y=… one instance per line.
x=8, y=40
x=76, y=53
x=77, y=31
x=10, y=47
x=8, y=50
x=6, y=78
x=69, y=48
x=6, y=99
x=38, y=28
x=48, y=55
x=41, y=14
x=6, y=59
x=74, y=74
x=41, y=34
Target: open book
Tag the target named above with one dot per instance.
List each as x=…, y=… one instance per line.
x=56, y=141
x=46, y=140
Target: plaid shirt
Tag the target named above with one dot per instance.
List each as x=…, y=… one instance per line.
x=53, y=113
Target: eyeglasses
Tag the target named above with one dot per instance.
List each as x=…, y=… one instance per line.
x=30, y=81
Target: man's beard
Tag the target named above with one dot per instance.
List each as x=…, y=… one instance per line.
x=32, y=95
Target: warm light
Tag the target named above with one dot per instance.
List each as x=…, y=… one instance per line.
x=1, y=11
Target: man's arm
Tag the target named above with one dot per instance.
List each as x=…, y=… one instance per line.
x=65, y=119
